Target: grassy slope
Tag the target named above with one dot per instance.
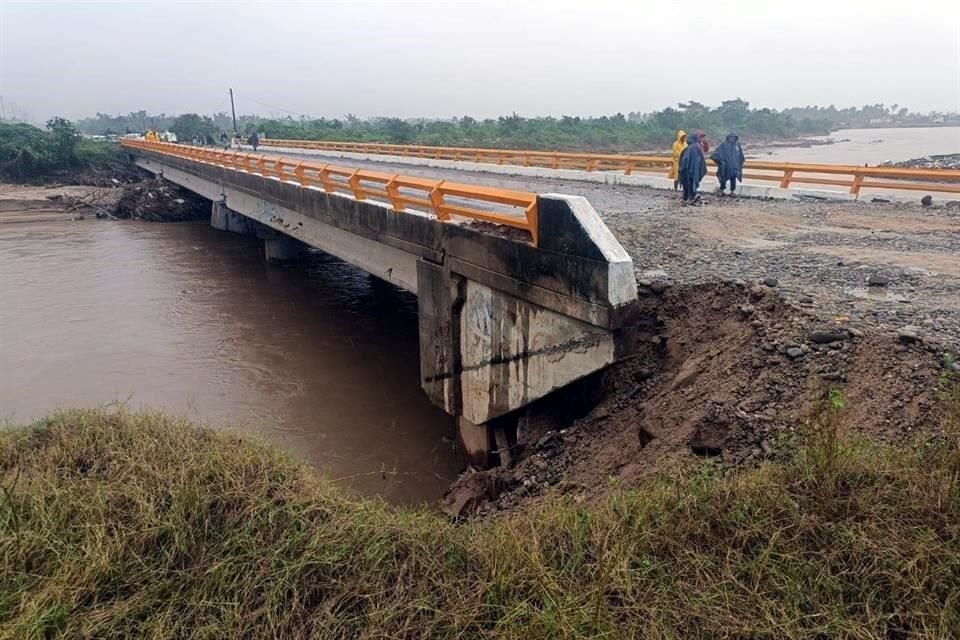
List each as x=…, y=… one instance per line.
x=139, y=525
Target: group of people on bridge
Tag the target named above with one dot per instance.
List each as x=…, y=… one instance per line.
x=690, y=164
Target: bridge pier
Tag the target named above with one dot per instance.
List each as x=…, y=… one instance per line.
x=278, y=248
x=473, y=442
x=224, y=219
x=281, y=249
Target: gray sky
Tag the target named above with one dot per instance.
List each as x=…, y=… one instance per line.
x=483, y=59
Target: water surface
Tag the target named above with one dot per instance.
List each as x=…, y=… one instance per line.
x=317, y=357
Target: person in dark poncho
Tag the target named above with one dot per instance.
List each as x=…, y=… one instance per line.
x=729, y=159
x=693, y=166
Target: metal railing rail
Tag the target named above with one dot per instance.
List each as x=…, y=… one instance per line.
x=400, y=192
x=852, y=177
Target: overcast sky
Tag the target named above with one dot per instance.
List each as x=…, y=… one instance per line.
x=484, y=59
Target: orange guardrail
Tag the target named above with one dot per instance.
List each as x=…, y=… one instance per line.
x=401, y=192
x=852, y=177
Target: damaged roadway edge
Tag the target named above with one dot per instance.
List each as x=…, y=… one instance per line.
x=712, y=382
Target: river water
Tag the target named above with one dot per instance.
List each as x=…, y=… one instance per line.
x=866, y=146
x=316, y=357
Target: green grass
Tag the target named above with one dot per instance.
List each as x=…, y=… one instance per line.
x=138, y=525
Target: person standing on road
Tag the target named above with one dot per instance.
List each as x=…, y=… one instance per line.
x=254, y=140
x=678, y=146
x=704, y=143
x=729, y=159
x=693, y=166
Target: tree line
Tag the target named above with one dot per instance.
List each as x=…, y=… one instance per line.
x=29, y=153
x=655, y=130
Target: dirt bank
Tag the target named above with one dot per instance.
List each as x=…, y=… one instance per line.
x=728, y=372
x=147, y=199
x=27, y=203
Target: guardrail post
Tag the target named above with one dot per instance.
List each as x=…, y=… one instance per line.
x=354, y=181
x=533, y=221
x=393, y=193
x=278, y=167
x=298, y=172
x=857, y=181
x=591, y=164
x=325, y=179
x=787, y=176
x=436, y=199
x=629, y=168
x=556, y=161
x=526, y=160
x=262, y=165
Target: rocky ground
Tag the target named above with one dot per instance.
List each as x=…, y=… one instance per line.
x=946, y=161
x=884, y=266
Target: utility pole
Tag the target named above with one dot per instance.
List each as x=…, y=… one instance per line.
x=233, y=110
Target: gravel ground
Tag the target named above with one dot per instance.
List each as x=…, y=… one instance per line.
x=822, y=254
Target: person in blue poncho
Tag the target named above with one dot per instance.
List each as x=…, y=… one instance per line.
x=693, y=166
x=729, y=158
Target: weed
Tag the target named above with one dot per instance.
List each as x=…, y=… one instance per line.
x=119, y=525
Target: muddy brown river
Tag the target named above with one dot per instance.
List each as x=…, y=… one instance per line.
x=316, y=357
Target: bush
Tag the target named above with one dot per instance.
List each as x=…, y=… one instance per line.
x=28, y=153
x=118, y=525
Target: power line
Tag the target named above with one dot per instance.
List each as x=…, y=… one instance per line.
x=270, y=106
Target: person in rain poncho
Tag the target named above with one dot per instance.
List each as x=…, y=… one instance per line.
x=678, y=146
x=729, y=158
x=693, y=166
x=704, y=143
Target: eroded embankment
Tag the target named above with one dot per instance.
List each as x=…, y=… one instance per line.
x=141, y=198
x=727, y=372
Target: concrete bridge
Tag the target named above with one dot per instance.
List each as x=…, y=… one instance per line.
x=519, y=294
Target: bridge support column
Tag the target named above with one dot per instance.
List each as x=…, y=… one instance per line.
x=473, y=442
x=280, y=249
x=222, y=218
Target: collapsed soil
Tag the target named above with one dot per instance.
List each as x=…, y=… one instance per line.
x=145, y=198
x=728, y=372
